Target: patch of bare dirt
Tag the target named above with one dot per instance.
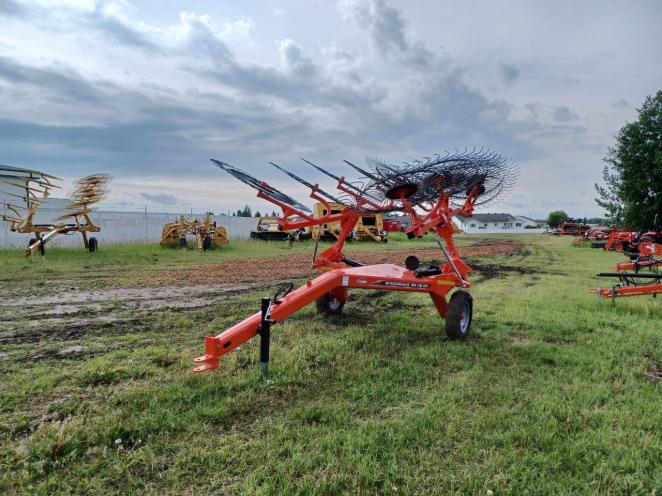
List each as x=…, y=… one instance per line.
x=148, y=298
x=260, y=270
x=71, y=314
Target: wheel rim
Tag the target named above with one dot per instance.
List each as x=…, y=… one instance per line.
x=334, y=304
x=465, y=318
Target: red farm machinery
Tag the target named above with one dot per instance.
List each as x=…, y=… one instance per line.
x=572, y=227
x=429, y=191
x=642, y=274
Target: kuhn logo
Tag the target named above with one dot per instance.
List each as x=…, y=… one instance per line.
x=361, y=281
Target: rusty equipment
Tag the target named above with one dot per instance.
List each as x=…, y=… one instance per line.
x=369, y=227
x=430, y=191
x=207, y=234
x=32, y=188
x=572, y=227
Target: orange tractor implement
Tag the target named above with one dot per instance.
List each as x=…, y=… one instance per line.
x=431, y=192
x=642, y=274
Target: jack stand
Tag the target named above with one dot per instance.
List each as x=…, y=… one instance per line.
x=265, y=337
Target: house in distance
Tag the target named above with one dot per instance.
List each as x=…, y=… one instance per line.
x=498, y=222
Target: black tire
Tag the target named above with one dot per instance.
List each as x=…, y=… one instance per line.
x=328, y=305
x=206, y=244
x=32, y=241
x=458, y=323
x=183, y=244
x=93, y=245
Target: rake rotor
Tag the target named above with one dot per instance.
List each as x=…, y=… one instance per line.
x=88, y=191
x=387, y=187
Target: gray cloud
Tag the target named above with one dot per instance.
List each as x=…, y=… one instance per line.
x=620, y=103
x=563, y=114
x=11, y=8
x=63, y=82
x=510, y=73
x=386, y=28
x=161, y=198
x=116, y=30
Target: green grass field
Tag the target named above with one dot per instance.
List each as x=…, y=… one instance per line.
x=552, y=394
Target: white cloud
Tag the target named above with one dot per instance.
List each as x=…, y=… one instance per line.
x=239, y=30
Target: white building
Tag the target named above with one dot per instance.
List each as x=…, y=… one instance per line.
x=498, y=223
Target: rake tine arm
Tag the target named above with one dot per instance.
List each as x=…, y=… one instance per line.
x=341, y=180
x=265, y=191
x=365, y=173
x=314, y=187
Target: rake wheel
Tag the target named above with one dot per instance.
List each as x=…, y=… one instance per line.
x=458, y=318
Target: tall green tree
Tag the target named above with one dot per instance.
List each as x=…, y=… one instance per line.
x=556, y=217
x=632, y=190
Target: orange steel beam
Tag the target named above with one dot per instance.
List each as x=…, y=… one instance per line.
x=388, y=277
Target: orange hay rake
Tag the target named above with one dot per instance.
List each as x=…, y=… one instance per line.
x=430, y=191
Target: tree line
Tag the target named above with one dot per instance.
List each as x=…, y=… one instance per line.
x=247, y=212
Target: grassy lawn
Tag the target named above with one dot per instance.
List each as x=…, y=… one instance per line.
x=552, y=394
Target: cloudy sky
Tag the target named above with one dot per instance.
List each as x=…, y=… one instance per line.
x=150, y=90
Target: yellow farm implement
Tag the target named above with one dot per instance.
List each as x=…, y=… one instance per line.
x=207, y=234
x=32, y=188
x=370, y=227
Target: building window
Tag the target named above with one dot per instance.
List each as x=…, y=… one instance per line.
x=519, y=224
x=473, y=225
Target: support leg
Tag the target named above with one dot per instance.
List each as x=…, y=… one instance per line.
x=440, y=303
x=42, y=245
x=265, y=337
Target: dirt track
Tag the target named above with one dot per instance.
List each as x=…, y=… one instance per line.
x=299, y=265
x=63, y=317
